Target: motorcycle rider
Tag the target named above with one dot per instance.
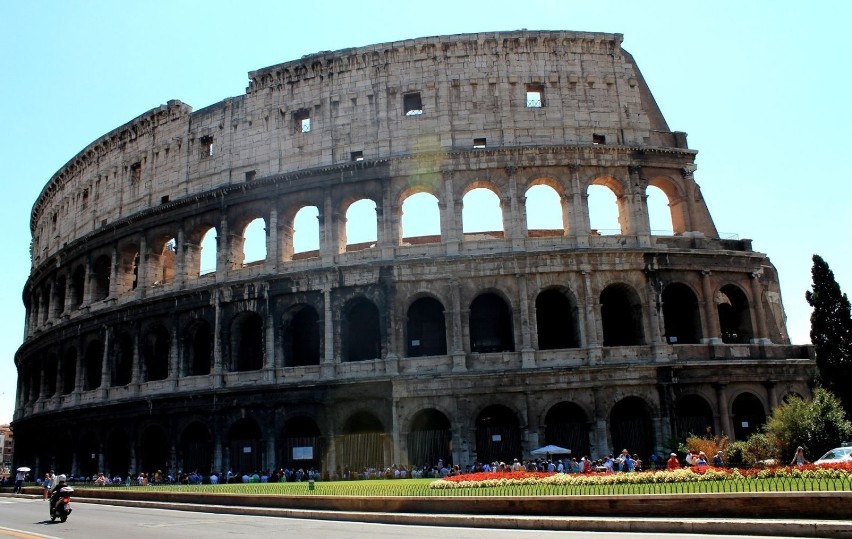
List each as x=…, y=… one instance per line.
x=55, y=495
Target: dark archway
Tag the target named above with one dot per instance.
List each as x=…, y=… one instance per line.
x=117, y=454
x=631, y=428
x=302, y=443
x=247, y=342
x=89, y=454
x=426, y=330
x=155, y=352
x=621, y=316
x=362, y=337
x=498, y=435
x=101, y=270
x=153, y=450
x=566, y=425
x=301, y=337
x=122, y=371
x=362, y=444
x=734, y=315
x=51, y=366
x=681, y=315
x=748, y=415
x=92, y=365
x=196, y=447
x=69, y=371
x=78, y=280
x=491, y=325
x=245, y=442
x=556, y=320
x=61, y=284
x=692, y=416
x=199, y=349
x=430, y=439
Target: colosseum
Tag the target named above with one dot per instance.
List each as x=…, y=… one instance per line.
x=459, y=343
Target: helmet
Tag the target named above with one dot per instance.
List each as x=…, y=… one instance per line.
x=60, y=477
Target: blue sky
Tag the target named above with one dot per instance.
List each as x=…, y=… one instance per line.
x=762, y=88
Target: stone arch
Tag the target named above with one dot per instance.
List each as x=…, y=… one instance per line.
x=430, y=438
x=621, y=316
x=69, y=370
x=128, y=268
x=117, y=453
x=676, y=216
x=482, y=211
x=557, y=323
x=362, y=443
x=301, y=336
x=247, y=342
x=681, y=314
x=545, y=209
x=202, y=252
x=420, y=218
x=156, y=346
x=60, y=288
x=78, y=286
x=51, y=371
x=734, y=314
x=490, y=323
x=748, y=415
x=154, y=450
x=358, y=234
x=631, y=427
x=302, y=443
x=601, y=193
x=361, y=331
x=498, y=435
x=426, y=328
x=253, y=243
x=306, y=233
x=122, y=368
x=198, y=348
x=93, y=364
x=567, y=425
x=692, y=415
x=164, y=259
x=101, y=271
x=246, y=446
x=196, y=447
x=89, y=450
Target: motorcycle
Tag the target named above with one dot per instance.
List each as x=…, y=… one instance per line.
x=62, y=508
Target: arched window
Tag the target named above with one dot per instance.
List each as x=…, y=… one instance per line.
x=734, y=315
x=51, y=366
x=306, y=233
x=128, y=269
x=430, y=439
x=604, y=211
x=482, y=214
x=196, y=445
x=117, y=453
x=153, y=449
x=155, y=352
x=544, y=211
x=421, y=219
x=247, y=342
x=693, y=415
x=426, y=331
x=748, y=415
x=254, y=242
x=69, y=371
x=681, y=315
x=245, y=441
x=631, y=427
x=61, y=283
x=621, y=316
x=301, y=336
x=199, y=349
x=92, y=362
x=361, y=225
x=207, y=255
x=491, y=325
x=101, y=270
x=556, y=320
x=78, y=279
x=498, y=436
x=659, y=212
x=165, y=272
x=303, y=445
x=122, y=371
x=567, y=426
x=361, y=331
x=362, y=443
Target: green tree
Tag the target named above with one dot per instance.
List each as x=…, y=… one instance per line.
x=817, y=425
x=831, y=331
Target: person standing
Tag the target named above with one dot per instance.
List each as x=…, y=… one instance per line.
x=673, y=463
x=19, y=481
x=799, y=458
x=47, y=484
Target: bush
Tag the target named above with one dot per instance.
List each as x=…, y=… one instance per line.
x=758, y=450
x=817, y=425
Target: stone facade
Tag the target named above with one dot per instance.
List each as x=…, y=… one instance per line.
x=461, y=345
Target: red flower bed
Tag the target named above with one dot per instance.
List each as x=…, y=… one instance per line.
x=485, y=476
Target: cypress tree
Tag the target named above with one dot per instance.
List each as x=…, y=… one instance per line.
x=831, y=331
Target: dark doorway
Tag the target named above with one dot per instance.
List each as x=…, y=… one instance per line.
x=362, y=444
x=566, y=425
x=156, y=354
x=301, y=337
x=556, y=320
x=692, y=416
x=734, y=315
x=122, y=371
x=621, y=316
x=154, y=451
x=246, y=446
x=681, y=315
x=748, y=415
x=196, y=447
x=430, y=439
x=117, y=454
x=491, y=325
x=200, y=349
x=498, y=436
x=247, y=342
x=361, y=331
x=631, y=427
x=93, y=362
x=302, y=445
x=426, y=329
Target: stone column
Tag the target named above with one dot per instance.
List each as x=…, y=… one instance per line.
x=579, y=206
x=654, y=302
x=113, y=272
x=771, y=394
x=713, y=333
x=180, y=257
x=758, y=313
x=87, y=283
x=591, y=311
x=141, y=269
x=688, y=173
x=516, y=225
x=223, y=250
x=269, y=365
x=273, y=243
x=527, y=352
x=456, y=347
x=173, y=352
x=328, y=360
x=329, y=230
x=218, y=360
x=105, y=363
x=451, y=229
x=722, y=405
x=639, y=223
x=600, y=442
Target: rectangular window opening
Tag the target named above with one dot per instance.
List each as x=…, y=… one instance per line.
x=412, y=104
x=207, y=147
x=135, y=172
x=302, y=120
x=535, y=96
x=164, y=199
x=479, y=143
x=357, y=156
x=250, y=175
x=598, y=139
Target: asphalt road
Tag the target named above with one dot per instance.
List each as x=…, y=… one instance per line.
x=27, y=518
